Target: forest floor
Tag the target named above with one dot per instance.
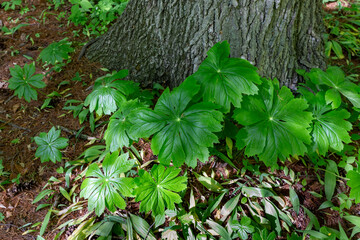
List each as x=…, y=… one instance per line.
x=21, y=121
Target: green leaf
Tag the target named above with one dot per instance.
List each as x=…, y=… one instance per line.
x=141, y=227
x=116, y=135
x=158, y=190
x=275, y=124
x=294, y=200
x=102, y=188
x=42, y=194
x=353, y=219
x=182, y=132
x=219, y=229
x=209, y=183
x=337, y=49
x=334, y=77
x=56, y=52
x=45, y=222
x=243, y=228
x=224, y=80
x=330, y=179
x=354, y=184
x=24, y=83
x=329, y=128
x=49, y=145
x=109, y=92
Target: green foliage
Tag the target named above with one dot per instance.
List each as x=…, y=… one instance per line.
x=329, y=127
x=335, y=79
x=56, y=52
x=11, y=4
x=13, y=30
x=224, y=80
x=109, y=92
x=24, y=82
x=116, y=135
x=158, y=190
x=81, y=112
x=95, y=16
x=275, y=124
x=354, y=184
x=49, y=145
x=182, y=131
x=102, y=188
x=242, y=228
x=343, y=31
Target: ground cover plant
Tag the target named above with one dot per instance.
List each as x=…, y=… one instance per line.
x=227, y=154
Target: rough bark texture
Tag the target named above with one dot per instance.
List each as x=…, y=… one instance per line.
x=166, y=40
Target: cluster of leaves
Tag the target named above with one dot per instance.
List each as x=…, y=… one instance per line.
x=56, y=54
x=95, y=16
x=24, y=82
x=343, y=31
x=11, y=5
x=267, y=121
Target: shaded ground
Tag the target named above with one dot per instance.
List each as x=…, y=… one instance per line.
x=21, y=121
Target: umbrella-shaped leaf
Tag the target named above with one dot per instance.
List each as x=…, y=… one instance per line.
x=49, y=145
x=158, y=189
x=102, y=188
x=224, y=80
x=109, y=93
x=182, y=132
x=275, y=124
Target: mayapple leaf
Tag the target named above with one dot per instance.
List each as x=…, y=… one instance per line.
x=354, y=184
x=329, y=127
x=116, y=135
x=109, y=92
x=49, y=145
x=24, y=82
x=335, y=78
x=224, y=80
x=56, y=52
x=275, y=124
x=182, y=131
x=158, y=189
x=102, y=188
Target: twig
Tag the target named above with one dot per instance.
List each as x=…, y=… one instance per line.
x=73, y=132
x=8, y=100
x=148, y=232
x=11, y=225
x=14, y=125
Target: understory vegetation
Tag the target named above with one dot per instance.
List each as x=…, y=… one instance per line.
x=233, y=155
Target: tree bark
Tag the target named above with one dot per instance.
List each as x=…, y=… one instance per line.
x=165, y=41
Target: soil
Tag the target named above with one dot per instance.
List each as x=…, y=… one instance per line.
x=20, y=121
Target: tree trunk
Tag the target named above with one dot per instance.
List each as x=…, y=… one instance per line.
x=166, y=40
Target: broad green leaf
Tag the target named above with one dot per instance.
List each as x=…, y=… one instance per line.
x=141, y=227
x=49, y=145
x=116, y=135
x=337, y=49
x=24, y=83
x=353, y=219
x=294, y=200
x=56, y=52
x=102, y=188
x=242, y=228
x=329, y=128
x=335, y=78
x=354, y=184
x=330, y=179
x=229, y=206
x=256, y=192
x=42, y=194
x=109, y=92
x=209, y=183
x=182, y=132
x=219, y=229
x=224, y=80
x=158, y=190
x=275, y=124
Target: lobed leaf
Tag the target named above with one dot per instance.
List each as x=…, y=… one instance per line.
x=275, y=124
